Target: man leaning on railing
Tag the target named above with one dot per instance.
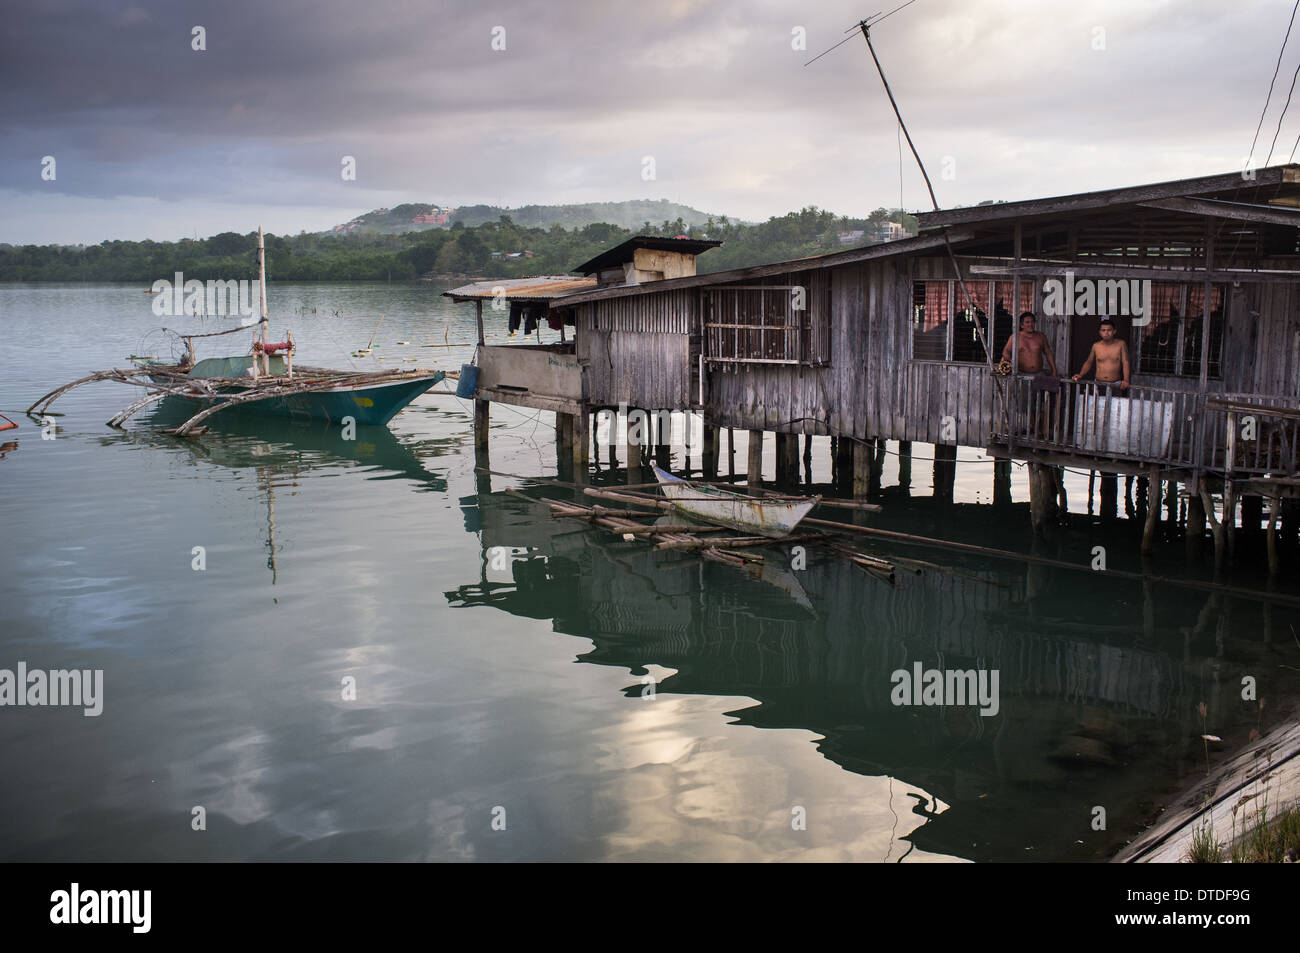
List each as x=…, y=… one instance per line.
x=1033, y=353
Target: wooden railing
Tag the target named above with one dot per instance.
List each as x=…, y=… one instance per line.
x=1221, y=433
x=1139, y=424
x=1249, y=434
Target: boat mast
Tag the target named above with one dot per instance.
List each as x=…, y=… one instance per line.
x=261, y=282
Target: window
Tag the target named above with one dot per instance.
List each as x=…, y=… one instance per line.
x=947, y=321
x=1195, y=324
x=769, y=324
x=930, y=320
x=1158, y=344
x=1171, y=343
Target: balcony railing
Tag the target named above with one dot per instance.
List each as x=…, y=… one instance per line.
x=1241, y=433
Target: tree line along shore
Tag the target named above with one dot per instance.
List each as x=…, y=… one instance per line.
x=500, y=249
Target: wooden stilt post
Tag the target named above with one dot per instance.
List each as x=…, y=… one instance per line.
x=877, y=465
x=1290, y=521
x=807, y=458
x=580, y=443
x=843, y=465
x=632, y=447
x=481, y=423
x=754, y=469
x=861, y=466
x=945, y=470
x=1092, y=483
x=1042, y=495
x=787, y=460
x=905, y=465
x=1252, y=515
x=1194, y=534
x=1109, y=495
x=731, y=454
x=712, y=450
x=1001, y=482
x=1274, y=504
x=1153, y=512
x=564, y=445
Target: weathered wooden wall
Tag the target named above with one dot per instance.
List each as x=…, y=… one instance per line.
x=637, y=350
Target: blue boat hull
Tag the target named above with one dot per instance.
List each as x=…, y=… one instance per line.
x=370, y=405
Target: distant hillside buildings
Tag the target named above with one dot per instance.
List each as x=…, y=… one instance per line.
x=435, y=216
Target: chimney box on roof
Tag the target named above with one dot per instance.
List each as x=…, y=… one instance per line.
x=646, y=258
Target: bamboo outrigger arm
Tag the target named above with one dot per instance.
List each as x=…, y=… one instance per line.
x=116, y=374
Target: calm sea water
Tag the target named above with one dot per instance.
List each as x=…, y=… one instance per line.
x=587, y=699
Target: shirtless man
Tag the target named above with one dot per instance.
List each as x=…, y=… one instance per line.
x=1110, y=357
x=1033, y=348
x=1029, y=359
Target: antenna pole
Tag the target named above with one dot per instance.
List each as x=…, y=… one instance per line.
x=952, y=257
x=866, y=35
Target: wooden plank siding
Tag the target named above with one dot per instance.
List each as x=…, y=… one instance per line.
x=637, y=350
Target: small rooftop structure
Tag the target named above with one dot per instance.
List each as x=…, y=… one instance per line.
x=538, y=288
x=646, y=258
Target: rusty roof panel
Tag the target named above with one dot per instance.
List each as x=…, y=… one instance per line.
x=541, y=287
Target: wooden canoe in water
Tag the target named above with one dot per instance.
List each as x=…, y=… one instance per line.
x=750, y=514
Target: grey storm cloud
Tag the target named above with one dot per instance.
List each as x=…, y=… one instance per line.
x=1016, y=97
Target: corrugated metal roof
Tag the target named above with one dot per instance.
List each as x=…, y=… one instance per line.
x=540, y=288
x=1274, y=177
x=624, y=252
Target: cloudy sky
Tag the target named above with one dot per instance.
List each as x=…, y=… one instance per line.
x=1006, y=99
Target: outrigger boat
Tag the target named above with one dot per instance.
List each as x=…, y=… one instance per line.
x=764, y=516
x=263, y=381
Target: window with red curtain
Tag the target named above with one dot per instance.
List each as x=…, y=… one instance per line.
x=970, y=315
x=1160, y=336
x=930, y=320
x=1194, y=325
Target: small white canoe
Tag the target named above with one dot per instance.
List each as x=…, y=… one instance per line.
x=750, y=514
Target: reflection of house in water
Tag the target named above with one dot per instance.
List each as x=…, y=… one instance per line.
x=1089, y=715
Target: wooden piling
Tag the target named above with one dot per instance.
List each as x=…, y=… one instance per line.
x=905, y=465
x=945, y=471
x=634, y=453
x=787, y=460
x=1153, y=512
x=1252, y=514
x=1001, y=482
x=807, y=458
x=731, y=454
x=1042, y=495
x=754, y=469
x=482, y=416
x=564, y=445
x=580, y=443
x=712, y=451
x=1194, y=534
x=877, y=466
x=1290, y=521
x=1274, y=504
x=1109, y=495
x=861, y=467
x=843, y=450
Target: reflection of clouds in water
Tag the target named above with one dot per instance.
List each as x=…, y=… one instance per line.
x=448, y=833
x=694, y=787
x=228, y=774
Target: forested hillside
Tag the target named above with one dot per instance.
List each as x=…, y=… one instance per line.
x=500, y=248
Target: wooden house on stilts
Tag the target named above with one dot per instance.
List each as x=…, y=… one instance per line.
x=902, y=341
